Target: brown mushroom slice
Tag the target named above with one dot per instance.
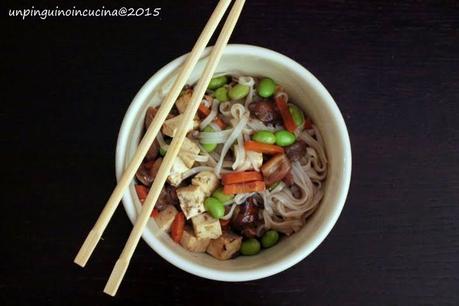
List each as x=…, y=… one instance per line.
x=296, y=150
x=147, y=171
x=276, y=169
x=265, y=111
x=246, y=214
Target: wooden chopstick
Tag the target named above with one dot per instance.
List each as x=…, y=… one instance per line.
x=122, y=264
x=96, y=232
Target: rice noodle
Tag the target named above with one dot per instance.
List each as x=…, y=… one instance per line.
x=215, y=127
x=214, y=137
x=243, y=118
x=211, y=116
x=230, y=213
x=225, y=108
x=247, y=81
x=282, y=94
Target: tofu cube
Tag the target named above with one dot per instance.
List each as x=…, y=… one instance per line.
x=190, y=242
x=188, y=151
x=165, y=218
x=207, y=181
x=177, y=170
x=225, y=246
x=170, y=125
x=247, y=164
x=183, y=101
x=191, y=200
x=206, y=227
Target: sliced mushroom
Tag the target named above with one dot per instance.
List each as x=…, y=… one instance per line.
x=247, y=214
x=276, y=169
x=265, y=110
x=296, y=150
x=147, y=171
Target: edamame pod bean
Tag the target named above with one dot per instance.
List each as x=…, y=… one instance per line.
x=214, y=207
x=209, y=147
x=162, y=152
x=217, y=82
x=221, y=94
x=270, y=238
x=297, y=115
x=285, y=138
x=266, y=88
x=238, y=91
x=264, y=137
x=250, y=247
x=221, y=196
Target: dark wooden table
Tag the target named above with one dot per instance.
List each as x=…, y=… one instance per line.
x=393, y=69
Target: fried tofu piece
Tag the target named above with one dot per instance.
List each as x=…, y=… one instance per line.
x=188, y=151
x=207, y=181
x=249, y=156
x=183, y=101
x=191, y=200
x=225, y=246
x=170, y=125
x=206, y=226
x=176, y=175
x=165, y=218
x=192, y=243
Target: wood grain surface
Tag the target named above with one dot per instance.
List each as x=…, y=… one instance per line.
x=393, y=69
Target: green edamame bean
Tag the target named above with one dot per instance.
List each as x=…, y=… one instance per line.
x=285, y=138
x=217, y=82
x=266, y=88
x=221, y=196
x=221, y=94
x=297, y=115
x=238, y=91
x=269, y=239
x=264, y=137
x=250, y=247
x=214, y=207
x=209, y=147
x=162, y=152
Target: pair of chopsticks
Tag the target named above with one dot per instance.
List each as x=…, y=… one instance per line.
x=95, y=234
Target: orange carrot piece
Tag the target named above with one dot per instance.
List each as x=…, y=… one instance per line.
x=218, y=121
x=241, y=177
x=287, y=118
x=141, y=191
x=254, y=186
x=203, y=110
x=154, y=213
x=265, y=148
x=178, y=226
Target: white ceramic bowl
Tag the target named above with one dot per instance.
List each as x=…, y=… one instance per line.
x=306, y=91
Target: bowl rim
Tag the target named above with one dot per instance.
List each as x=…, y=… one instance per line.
x=304, y=250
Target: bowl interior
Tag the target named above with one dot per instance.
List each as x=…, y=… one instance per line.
x=305, y=91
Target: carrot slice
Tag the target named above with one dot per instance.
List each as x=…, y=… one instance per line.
x=218, y=121
x=287, y=118
x=263, y=147
x=204, y=111
x=142, y=192
x=241, y=177
x=178, y=226
x=154, y=213
x=254, y=186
